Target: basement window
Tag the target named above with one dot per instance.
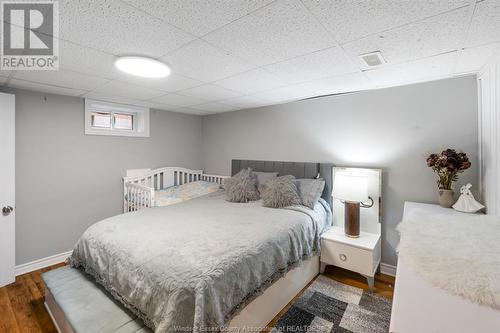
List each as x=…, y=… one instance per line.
x=103, y=118
x=123, y=121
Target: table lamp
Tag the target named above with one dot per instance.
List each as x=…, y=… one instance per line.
x=352, y=189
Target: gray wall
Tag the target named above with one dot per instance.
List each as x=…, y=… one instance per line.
x=66, y=181
x=392, y=128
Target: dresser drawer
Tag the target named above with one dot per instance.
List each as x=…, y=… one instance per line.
x=348, y=257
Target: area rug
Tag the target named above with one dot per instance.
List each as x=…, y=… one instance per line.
x=330, y=306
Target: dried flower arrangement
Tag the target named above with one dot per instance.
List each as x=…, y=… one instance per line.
x=448, y=164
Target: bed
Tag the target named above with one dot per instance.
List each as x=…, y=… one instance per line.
x=203, y=263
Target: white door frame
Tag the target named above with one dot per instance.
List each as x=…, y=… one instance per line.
x=7, y=189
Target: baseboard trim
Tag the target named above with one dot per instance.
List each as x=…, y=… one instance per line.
x=61, y=257
x=388, y=269
x=41, y=263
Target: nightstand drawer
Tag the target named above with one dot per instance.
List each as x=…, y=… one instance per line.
x=348, y=257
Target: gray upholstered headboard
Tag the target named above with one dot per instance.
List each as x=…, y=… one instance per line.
x=298, y=169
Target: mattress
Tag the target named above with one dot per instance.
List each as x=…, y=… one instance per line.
x=196, y=264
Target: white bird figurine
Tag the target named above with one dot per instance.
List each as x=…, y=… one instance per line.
x=466, y=202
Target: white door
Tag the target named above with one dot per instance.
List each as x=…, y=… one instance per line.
x=7, y=189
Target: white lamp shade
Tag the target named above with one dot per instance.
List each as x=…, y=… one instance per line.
x=349, y=187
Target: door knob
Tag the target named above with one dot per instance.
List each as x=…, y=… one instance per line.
x=7, y=210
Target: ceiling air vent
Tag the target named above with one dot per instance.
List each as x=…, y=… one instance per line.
x=373, y=59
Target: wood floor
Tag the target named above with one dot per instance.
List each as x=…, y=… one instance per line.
x=22, y=309
x=21, y=305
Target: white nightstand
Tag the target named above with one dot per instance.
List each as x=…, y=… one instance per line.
x=361, y=255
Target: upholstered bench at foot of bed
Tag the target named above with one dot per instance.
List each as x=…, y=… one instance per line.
x=79, y=305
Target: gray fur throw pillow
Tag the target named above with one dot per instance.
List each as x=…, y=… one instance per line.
x=242, y=187
x=280, y=192
x=310, y=191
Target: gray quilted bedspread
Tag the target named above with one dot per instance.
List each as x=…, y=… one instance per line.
x=194, y=265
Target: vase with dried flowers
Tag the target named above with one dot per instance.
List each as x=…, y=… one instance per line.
x=447, y=165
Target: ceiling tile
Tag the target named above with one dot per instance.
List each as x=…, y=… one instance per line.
x=485, y=25
x=210, y=92
x=471, y=60
x=115, y=99
x=313, y=66
x=85, y=60
x=436, y=35
x=245, y=102
x=337, y=84
x=171, y=83
x=286, y=94
x=192, y=15
x=188, y=110
x=160, y=106
x=325, y=86
x=179, y=100
x=299, y=56
x=117, y=28
x=62, y=78
x=200, y=60
x=395, y=45
x=252, y=81
x=45, y=88
x=214, y=107
x=122, y=89
x=442, y=33
x=417, y=71
x=282, y=30
x=351, y=20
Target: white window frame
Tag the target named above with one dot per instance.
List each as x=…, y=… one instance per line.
x=140, y=127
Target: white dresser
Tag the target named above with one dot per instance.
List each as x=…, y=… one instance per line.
x=419, y=307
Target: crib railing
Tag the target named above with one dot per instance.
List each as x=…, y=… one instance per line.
x=137, y=197
x=139, y=191
x=213, y=178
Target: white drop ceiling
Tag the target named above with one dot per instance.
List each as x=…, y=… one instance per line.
x=235, y=54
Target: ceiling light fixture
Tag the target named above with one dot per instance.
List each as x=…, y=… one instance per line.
x=142, y=66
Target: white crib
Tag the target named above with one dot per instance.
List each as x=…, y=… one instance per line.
x=139, y=190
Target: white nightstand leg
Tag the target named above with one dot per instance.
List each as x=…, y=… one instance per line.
x=370, y=280
x=322, y=267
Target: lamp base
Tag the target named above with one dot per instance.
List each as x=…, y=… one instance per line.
x=351, y=220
